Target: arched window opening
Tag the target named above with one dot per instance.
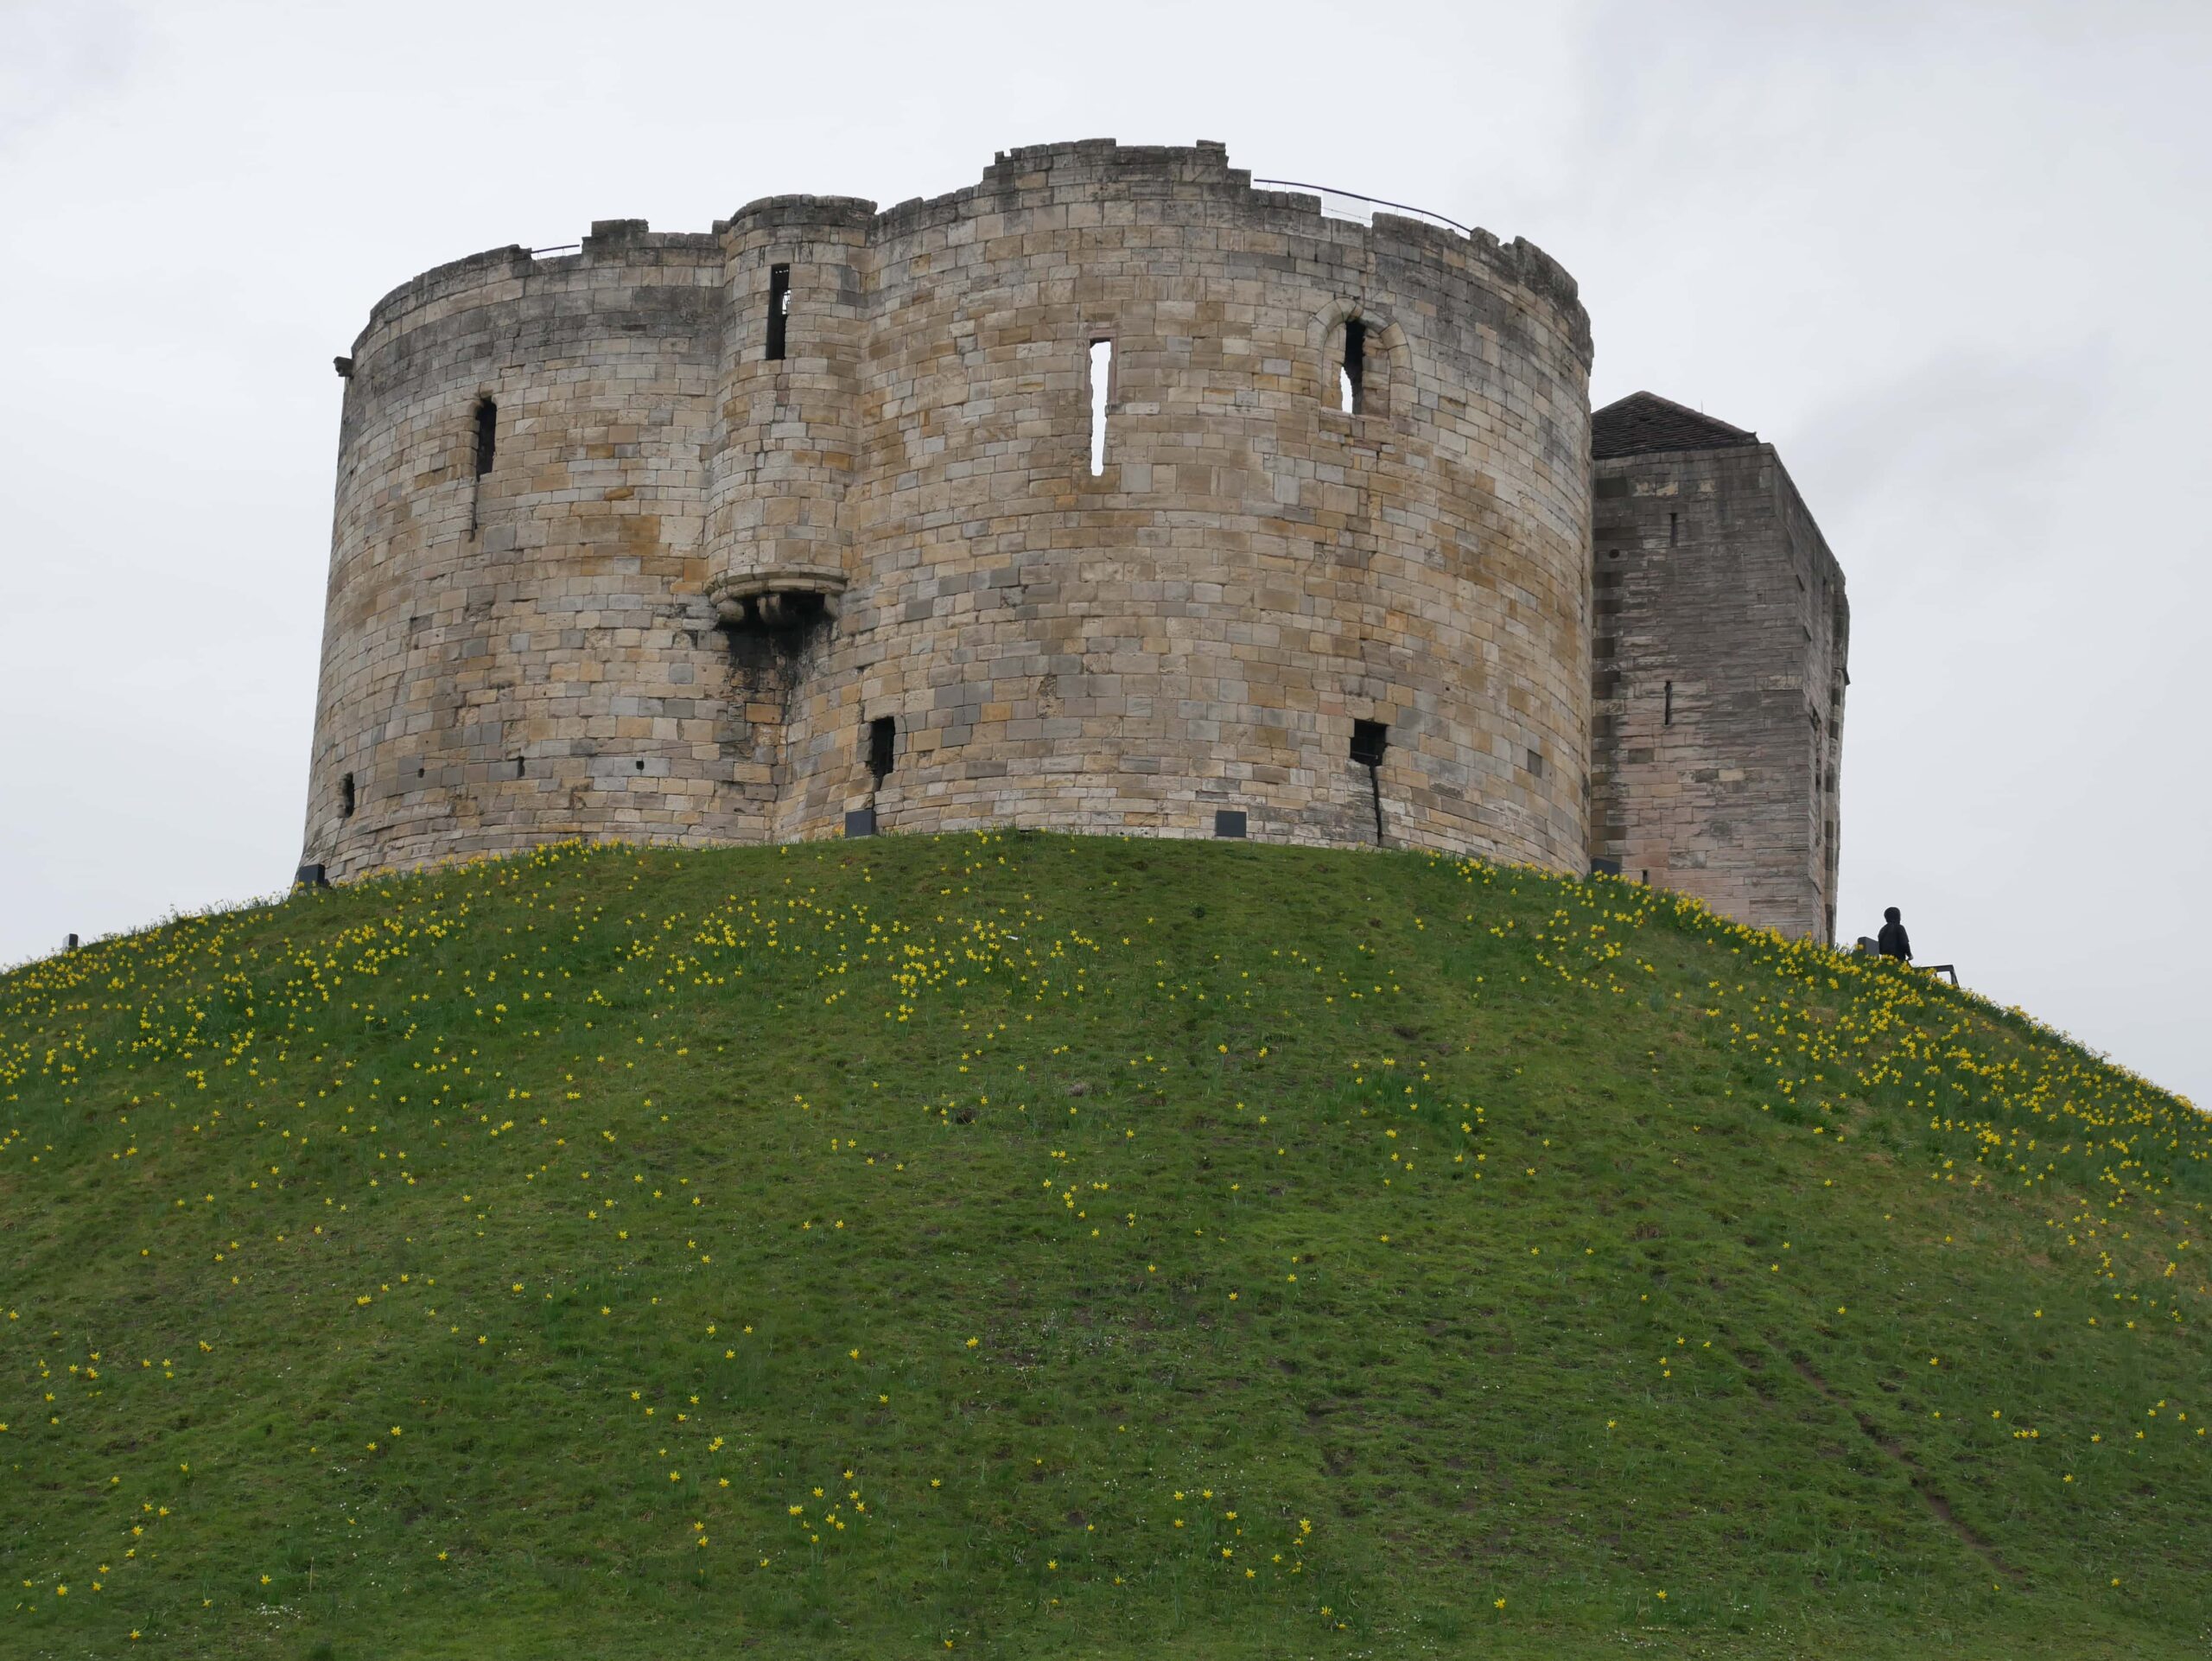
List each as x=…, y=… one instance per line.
x=1352, y=374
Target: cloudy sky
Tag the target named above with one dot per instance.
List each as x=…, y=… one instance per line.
x=1951, y=260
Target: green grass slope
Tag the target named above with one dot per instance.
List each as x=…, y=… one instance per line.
x=1025, y=1245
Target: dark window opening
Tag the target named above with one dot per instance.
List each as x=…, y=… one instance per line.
x=882, y=742
x=1351, y=379
x=1673, y=529
x=517, y=766
x=487, y=434
x=345, y=796
x=783, y=612
x=641, y=766
x=1536, y=763
x=1668, y=719
x=1368, y=741
x=779, y=308
x=1230, y=822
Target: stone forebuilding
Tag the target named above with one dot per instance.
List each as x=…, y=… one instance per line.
x=1111, y=493
x=1718, y=638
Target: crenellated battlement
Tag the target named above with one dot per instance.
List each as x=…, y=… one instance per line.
x=1026, y=180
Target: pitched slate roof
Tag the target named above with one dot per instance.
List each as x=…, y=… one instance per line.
x=1644, y=423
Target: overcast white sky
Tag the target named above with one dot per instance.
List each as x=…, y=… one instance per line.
x=1951, y=259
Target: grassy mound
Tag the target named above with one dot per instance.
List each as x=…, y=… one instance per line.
x=1025, y=1246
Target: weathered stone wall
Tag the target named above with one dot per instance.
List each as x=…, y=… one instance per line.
x=529, y=653
x=694, y=574
x=1720, y=638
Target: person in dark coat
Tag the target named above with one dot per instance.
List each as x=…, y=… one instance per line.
x=1893, y=941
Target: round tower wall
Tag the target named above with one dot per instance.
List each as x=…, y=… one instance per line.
x=527, y=651
x=795, y=333
x=899, y=519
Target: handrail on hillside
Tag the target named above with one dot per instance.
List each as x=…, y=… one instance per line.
x=1866, y=948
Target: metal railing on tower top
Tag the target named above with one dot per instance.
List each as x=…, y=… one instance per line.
x=1372, y=202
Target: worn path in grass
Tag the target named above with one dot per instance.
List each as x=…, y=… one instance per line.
x=1025, y=1245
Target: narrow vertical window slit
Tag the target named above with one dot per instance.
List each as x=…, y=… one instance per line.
x=780, y=308
x=1351, y=377
x=1102, y=376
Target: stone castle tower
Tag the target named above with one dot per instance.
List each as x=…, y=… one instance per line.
x=1109, y=495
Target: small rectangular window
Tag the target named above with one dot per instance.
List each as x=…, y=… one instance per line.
x=1536, y=763
x=345, y=796
x=487, y=434
x=1101, y=378
x=1351, y=379
x=1673, y=529
x=1369, y=740
x=779, y=308
x=1668, y=719
x=882, y=740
